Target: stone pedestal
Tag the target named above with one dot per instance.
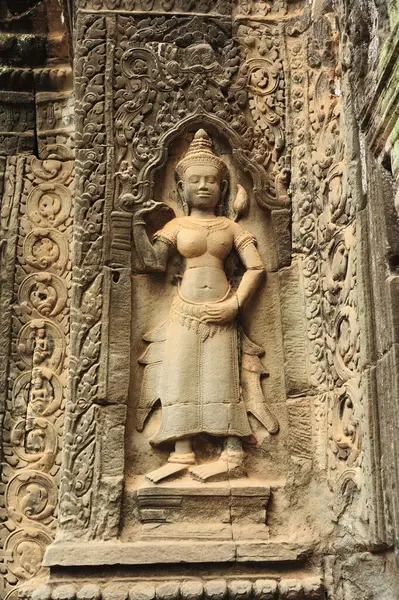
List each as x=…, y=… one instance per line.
x=225, y=510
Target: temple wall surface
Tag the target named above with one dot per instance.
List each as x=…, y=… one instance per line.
x=100, y=104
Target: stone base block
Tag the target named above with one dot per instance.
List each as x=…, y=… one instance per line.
x=222, y=511
x=101, y=554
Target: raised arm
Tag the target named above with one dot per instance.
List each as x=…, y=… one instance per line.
x=154, y=255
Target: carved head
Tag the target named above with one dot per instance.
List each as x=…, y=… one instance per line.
x=202, y=174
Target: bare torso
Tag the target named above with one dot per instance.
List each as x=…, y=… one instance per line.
x=204, y=284
x=205, y=248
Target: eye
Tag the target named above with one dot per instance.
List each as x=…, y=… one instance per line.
x=211, y=179
x=194, y=179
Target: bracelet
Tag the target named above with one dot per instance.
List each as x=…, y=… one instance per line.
x=238, y=302
x=139, y=223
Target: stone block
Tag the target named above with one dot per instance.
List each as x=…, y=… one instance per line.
x=66, y=591
x=294, y=330
x=142, y=591
x=90, y=591
x=240, y=589
x=191, y=589
x=43, y=592
x=169, y=590
x=213, y=511
x=215, y=589
x=265, y=589
x=116, y=346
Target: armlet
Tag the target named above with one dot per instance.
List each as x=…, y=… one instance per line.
x=168, y=238
x=243, y=240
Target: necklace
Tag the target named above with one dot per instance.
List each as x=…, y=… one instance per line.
x=211, y=224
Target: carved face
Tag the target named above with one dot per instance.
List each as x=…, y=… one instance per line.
x=201, y=186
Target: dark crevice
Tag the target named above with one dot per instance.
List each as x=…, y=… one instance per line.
x=35, y=150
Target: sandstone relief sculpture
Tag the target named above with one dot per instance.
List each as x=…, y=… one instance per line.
x=199, y=363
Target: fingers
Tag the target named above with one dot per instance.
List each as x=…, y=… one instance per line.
x=207, y=318
x=209, y=312
x=212, y=320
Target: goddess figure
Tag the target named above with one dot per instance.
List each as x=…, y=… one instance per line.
x=195, y=360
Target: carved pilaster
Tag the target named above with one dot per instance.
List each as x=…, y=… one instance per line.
x=38, y=219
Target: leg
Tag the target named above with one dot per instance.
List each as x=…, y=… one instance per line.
x=183, y=452
x=230, y=463
x=178, y=461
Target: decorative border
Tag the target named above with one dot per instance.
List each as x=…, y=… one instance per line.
x=310, y=587
x=32, y=428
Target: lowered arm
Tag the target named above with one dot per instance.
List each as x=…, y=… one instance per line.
x=253, y=275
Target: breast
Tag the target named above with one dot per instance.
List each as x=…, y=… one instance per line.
x=191, y=243
x=220, y=243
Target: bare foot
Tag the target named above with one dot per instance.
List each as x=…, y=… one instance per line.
x=167, y=470
x=178, y=462
x=227, y=465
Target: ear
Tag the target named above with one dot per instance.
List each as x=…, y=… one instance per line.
x=223, y=189
x=180, y=187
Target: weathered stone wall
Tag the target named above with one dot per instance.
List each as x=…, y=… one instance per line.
x=300, y=102
x=37, y=170
x=369, y=40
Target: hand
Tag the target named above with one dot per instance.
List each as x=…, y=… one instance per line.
x=221, y=312
x=150, y=208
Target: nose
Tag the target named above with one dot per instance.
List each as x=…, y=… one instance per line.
x=202, y=184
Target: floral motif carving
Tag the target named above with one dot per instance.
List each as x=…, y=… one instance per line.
x=49, y=204
x=199, y=73
x=344, y=420
x=31, y=495
x=25, y=549
x=80, y=423
x=212, y=7
x=43, y=294
x=46, y=248
x=32, y=427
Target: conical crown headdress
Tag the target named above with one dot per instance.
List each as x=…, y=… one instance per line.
x=200, y=153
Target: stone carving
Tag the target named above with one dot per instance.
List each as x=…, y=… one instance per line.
x=219, y=7
x=46, y=248
x=32, y=428
x=196, y=394
x=264, y=78
x=347, y=342
x=26, y=549
x=197, y=73
x=41, y=343
x=38, y=392
x=87, y=298
x=345, y=432
x=31, y=495
x=43, y=293
x=312, y=586
x=53, y=168
x=49, y=204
